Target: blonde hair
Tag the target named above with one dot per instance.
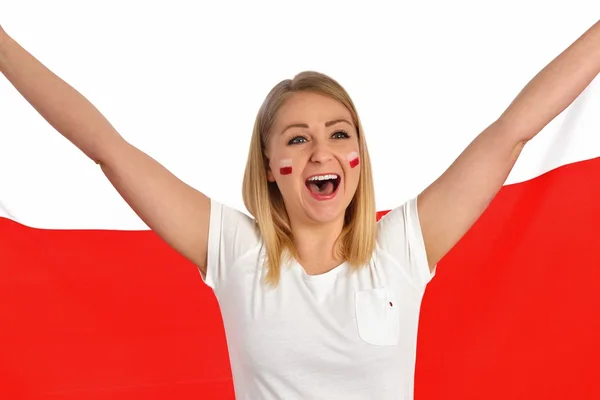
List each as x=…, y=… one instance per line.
x=264, y=201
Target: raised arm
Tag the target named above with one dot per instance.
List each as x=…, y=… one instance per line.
x=176, y=211
x=452, y=204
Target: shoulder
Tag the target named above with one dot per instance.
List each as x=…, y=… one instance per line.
x=400, y=239
x=227, y=221
x=400, y=223
x=231, y=235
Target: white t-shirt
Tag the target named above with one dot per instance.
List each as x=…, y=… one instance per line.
x=340, y=335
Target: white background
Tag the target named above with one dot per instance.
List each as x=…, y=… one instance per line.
x=183, y=81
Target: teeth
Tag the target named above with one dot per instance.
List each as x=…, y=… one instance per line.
x=323, y=177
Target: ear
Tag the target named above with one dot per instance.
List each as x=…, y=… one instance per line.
x=270, y=176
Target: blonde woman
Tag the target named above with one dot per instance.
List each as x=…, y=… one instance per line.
x=318, y=300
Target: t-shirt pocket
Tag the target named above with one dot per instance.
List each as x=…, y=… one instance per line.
x=377, y=317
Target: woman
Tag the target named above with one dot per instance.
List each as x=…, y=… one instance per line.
x=318, y=301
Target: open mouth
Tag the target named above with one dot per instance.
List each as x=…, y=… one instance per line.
x=323, y=185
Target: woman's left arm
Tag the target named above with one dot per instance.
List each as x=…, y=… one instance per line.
x=451, y=205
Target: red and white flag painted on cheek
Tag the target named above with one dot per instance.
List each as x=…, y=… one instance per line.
x=92, y=305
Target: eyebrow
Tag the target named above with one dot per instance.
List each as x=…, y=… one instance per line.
x=327, y=124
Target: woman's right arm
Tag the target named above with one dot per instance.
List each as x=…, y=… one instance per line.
x=175, y=211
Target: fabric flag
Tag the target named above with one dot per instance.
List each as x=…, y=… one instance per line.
x=102, y=312
x=110, y=314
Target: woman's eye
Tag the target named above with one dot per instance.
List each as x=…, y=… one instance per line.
x=297, y=140
x=340, y=135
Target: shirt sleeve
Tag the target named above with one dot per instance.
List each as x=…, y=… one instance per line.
x=231, y=234
x=399, y=235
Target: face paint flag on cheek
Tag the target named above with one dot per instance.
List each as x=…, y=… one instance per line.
x=353, y=159
x=285, y=167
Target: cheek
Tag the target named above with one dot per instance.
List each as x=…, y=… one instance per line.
x=353, y=159
x=285, y=166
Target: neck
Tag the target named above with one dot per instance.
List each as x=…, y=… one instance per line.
x=315, y=244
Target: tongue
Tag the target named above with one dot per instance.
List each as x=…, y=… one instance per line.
x=325, y=189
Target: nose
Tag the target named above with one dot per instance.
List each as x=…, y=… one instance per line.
x=321, y=153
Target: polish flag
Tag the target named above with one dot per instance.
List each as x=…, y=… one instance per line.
x=95, y=306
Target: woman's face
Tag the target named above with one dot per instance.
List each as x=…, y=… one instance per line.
x=313, y=155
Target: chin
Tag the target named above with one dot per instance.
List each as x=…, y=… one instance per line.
x=325, y=217
x=319, y=211
x=325, y=213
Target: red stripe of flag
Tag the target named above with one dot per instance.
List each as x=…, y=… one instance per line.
x=511, y=314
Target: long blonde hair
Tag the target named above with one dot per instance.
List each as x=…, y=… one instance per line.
x=264, y=201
